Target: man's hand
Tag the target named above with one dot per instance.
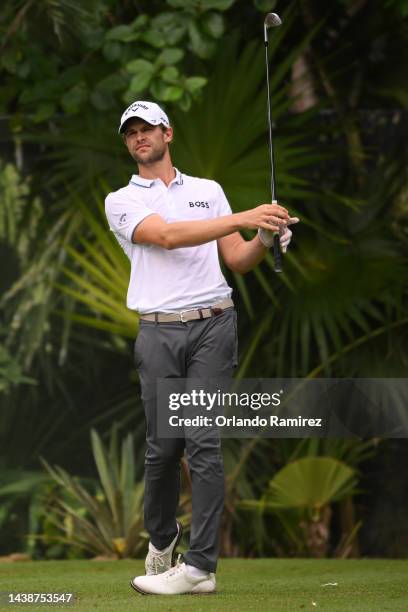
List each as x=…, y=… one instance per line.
x=266, y=216
x=285, y=234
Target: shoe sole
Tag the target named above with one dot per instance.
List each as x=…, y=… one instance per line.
x=166, y=594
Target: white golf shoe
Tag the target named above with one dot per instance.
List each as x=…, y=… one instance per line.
x=159, y=561
x=176, y=581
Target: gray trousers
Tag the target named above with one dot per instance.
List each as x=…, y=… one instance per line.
x=197, y=349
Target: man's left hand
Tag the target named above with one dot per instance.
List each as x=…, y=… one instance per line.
x=285, y=235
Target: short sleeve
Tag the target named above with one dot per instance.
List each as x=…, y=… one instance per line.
x=124, y=214
x=223, y=205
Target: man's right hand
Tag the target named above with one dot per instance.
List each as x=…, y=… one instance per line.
x=267, y=216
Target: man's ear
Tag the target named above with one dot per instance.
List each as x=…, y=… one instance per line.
x=168, y=134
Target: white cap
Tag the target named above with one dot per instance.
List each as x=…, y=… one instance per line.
x=148, y=111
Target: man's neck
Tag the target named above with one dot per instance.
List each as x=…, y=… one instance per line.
x=160, y=170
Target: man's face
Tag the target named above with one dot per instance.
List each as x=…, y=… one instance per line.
x=146, y=143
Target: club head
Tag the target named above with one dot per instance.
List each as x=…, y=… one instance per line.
x=272, y=20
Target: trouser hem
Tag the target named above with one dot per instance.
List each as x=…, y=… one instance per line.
x=191, y=558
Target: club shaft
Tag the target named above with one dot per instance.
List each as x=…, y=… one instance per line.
x=277, y=253
x=269, y=110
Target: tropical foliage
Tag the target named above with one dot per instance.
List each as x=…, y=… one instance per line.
x=109, y=521
x=340, y=309
x=308, y=486
x=101, y=53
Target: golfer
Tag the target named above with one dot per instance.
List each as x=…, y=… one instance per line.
x=173, y=227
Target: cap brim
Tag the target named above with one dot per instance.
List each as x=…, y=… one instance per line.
x=135, y=116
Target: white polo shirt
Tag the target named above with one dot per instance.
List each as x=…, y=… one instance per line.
x=164, y=280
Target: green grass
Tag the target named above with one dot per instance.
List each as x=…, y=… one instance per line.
x=243, y=584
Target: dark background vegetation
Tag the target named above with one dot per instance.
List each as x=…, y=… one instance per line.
x=67, y=71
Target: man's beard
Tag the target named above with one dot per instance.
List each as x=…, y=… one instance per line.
x=156, y=154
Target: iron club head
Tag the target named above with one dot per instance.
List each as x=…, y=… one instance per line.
x=272, y=20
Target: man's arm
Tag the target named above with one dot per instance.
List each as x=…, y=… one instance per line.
x=155, y=230
x=241, y=255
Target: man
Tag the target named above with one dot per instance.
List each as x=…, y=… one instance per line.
x=172, y=227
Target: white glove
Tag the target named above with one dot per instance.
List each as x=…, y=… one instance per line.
x=285, y=235
x=266, y=237
x=284, y=238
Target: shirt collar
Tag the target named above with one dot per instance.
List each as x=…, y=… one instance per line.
x=178, y=178
x=143, y=182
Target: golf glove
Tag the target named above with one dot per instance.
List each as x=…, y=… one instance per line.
x=285, y=235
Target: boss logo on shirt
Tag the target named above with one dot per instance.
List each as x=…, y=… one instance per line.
x=199, y=204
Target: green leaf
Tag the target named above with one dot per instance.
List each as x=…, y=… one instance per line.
x=93, y=37
x=113, y=83
x=219, y=5
x=139, y=66
x=162, y=91
x=170, y=27
x=151, y=38
x=140, y=22
x=171, y=93
x=240, y=281
x=105, y=471
x=201, y=44
x=127, y=331
x=213, y=24
x=73, y=99
x=174, y=93
x=170, y=74
x=95, y=299
x=121, y=33
x=311, y=482
x=185, y=102
x=139, y=83
x=24, y=483
x=112, y=50
x=170, y=56
x=44, y=111
x=265, y=6
x=193, y=84
x=101, y=274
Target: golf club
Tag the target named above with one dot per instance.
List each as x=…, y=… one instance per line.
x=272, y=20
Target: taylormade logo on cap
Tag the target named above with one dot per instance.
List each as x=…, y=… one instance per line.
x=148, y=111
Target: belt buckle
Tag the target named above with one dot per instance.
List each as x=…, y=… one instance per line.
x=182, y=313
